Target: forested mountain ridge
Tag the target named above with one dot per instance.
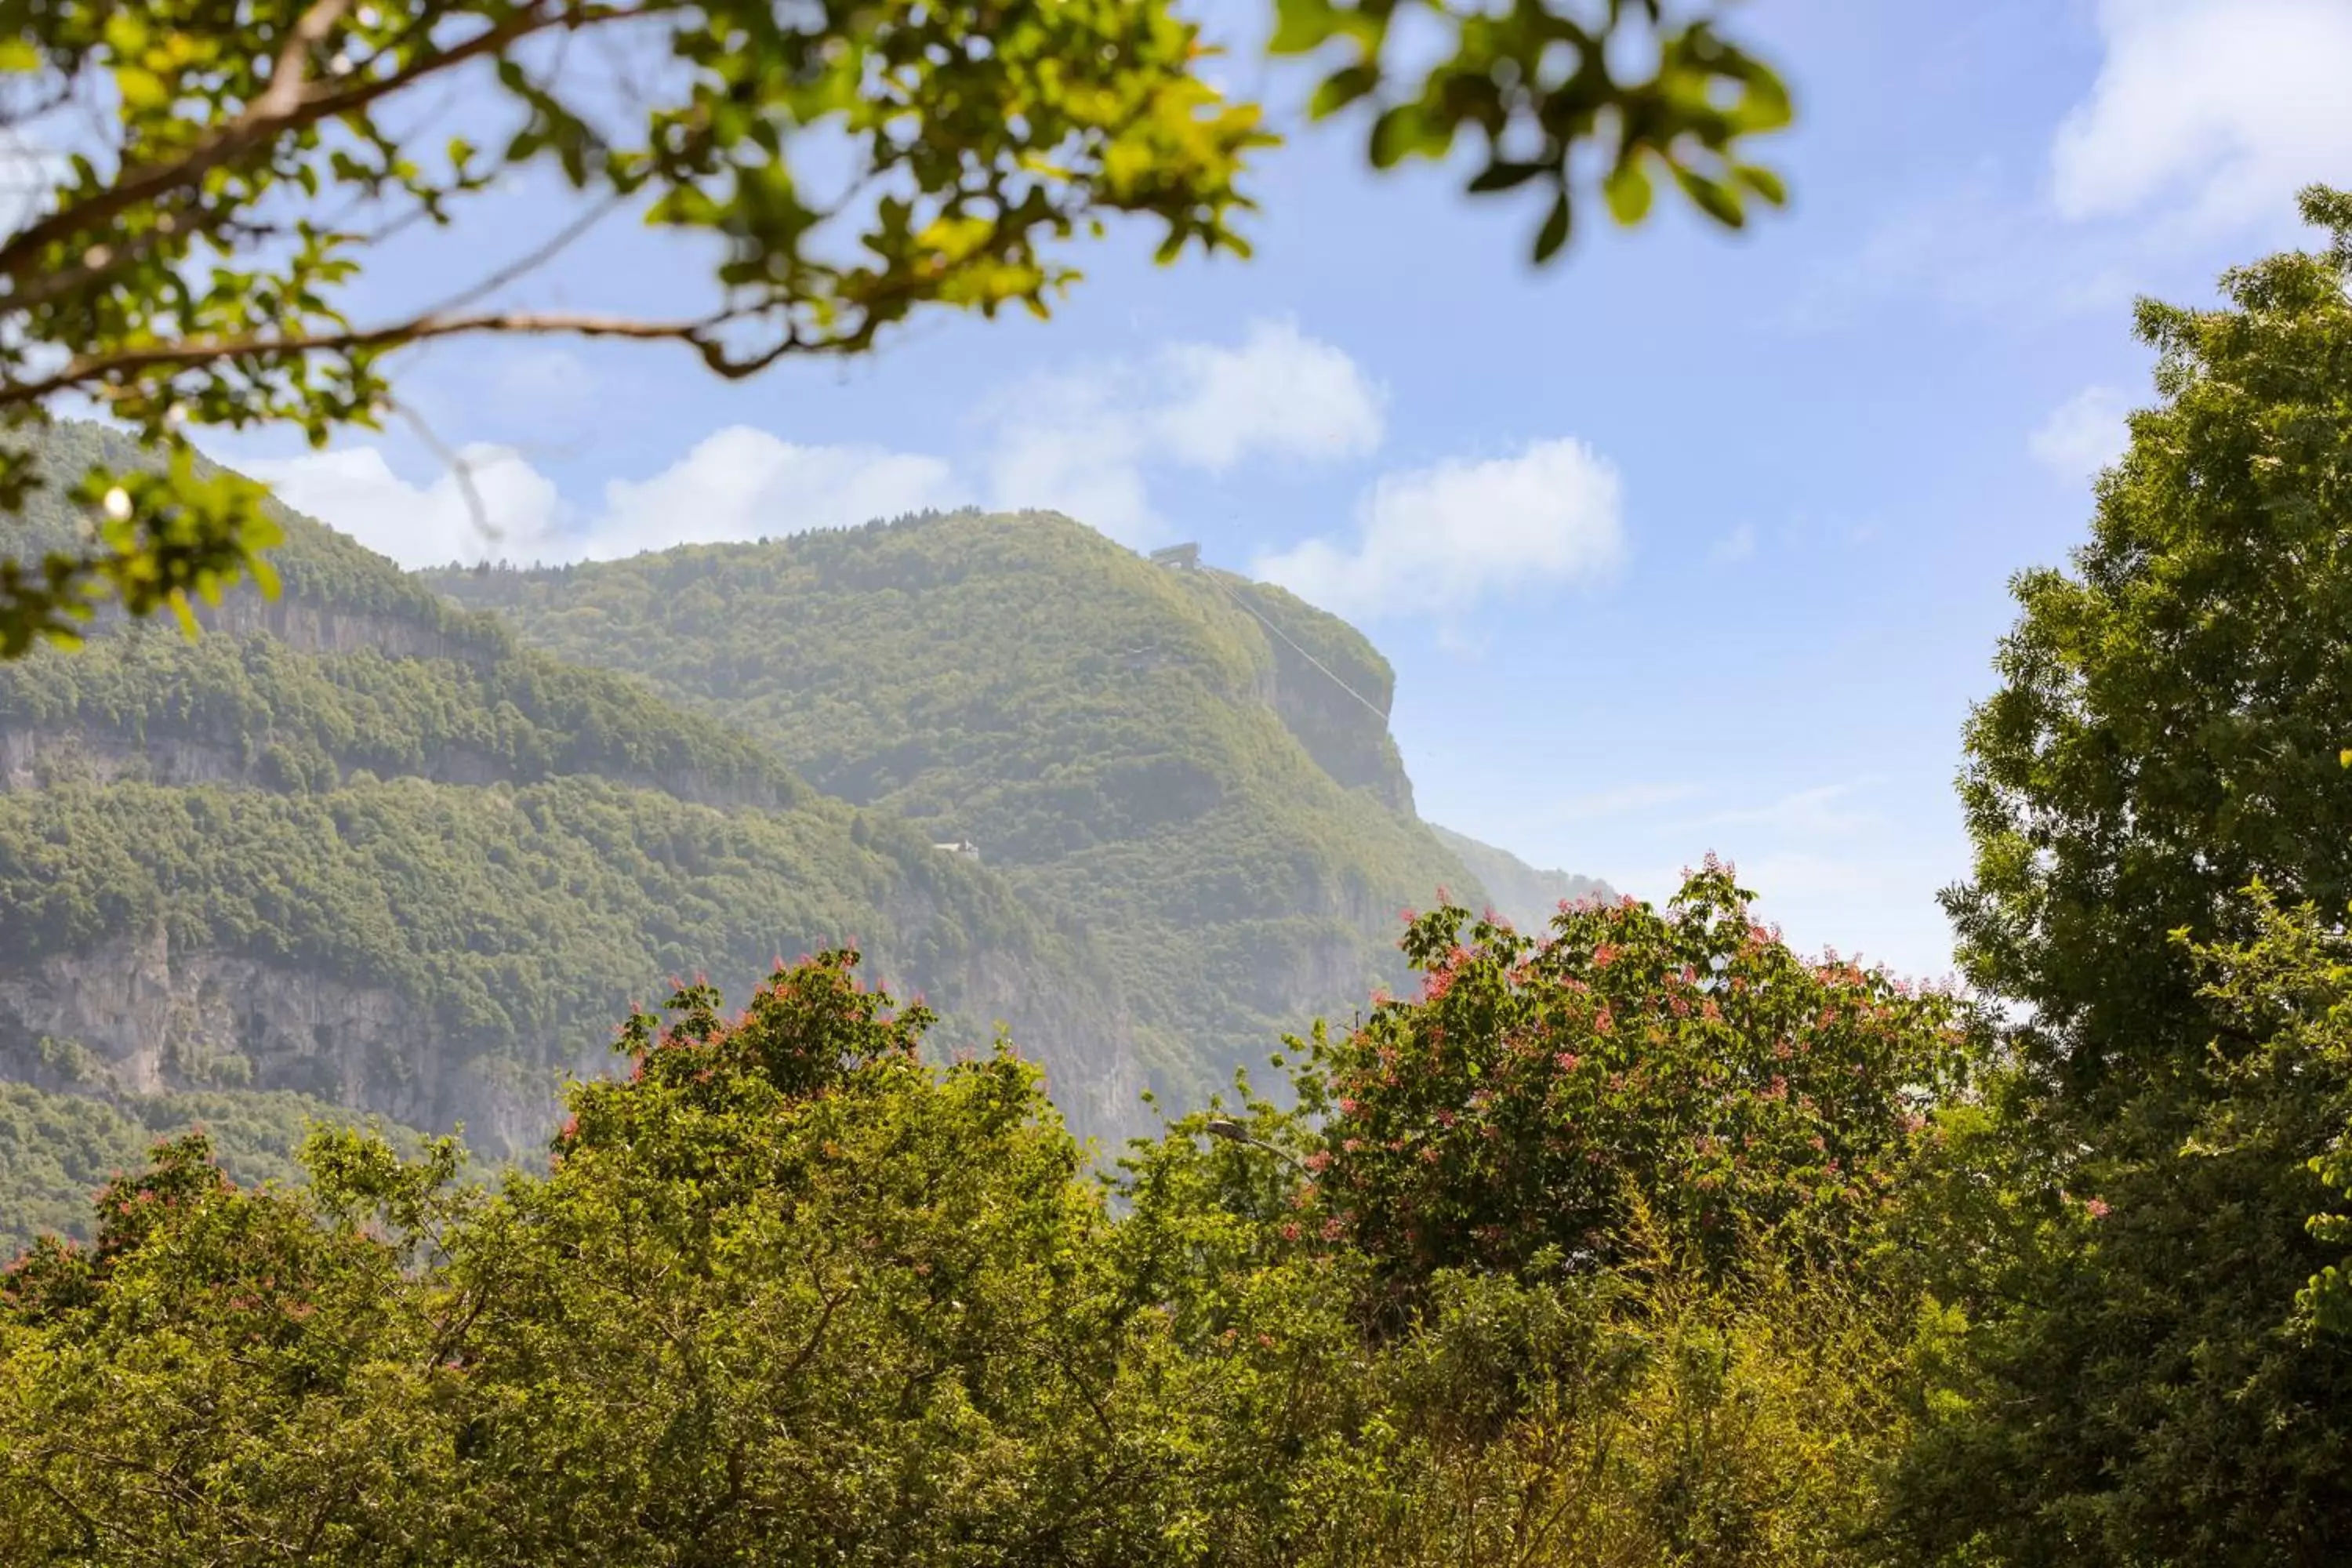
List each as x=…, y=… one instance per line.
x=357, y=846
x=1522, y=894
x=1192, y=769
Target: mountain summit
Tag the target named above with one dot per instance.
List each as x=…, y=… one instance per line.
x=1192, y=770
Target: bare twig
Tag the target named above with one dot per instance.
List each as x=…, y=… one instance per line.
x=458, y=464
x=698, y=334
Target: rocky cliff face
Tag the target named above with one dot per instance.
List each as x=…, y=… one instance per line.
x=326, y=627
x=1085, y=1044
x=134, y=1017
x=1344, y=729
x=1330, y=687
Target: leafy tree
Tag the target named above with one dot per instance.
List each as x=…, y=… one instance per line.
x=789, y=1294
x=2127, y=1378
x=1680, y=1063
x=786, y=1294
x=55, y=1150
x=2170, y=713
x=196, y=254
x=224, y=1376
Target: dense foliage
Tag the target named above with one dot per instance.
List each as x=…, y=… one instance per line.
x=1682, y=1064
x=513, y=920
x=296, y=719
x=55, y=1150
x=381, y=856
x=1142, y=753
x=789, y=1294
x=2136, y=1383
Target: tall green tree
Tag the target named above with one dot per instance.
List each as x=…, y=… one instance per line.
x=2170, y=710
x=208, y=179
x=2136, y=1384
x=788, y=1294
x=1680, y=1066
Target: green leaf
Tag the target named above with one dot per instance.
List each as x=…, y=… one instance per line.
x=1554, y=233
x=1627, y=190
x=1406, y=132
x=1766, y=184
x=1714, y=200
x=140, y=89
x=1300, y=26
x=1342, y=88
x=1501, y=175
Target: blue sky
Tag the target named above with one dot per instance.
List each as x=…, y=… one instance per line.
x=1686, y=543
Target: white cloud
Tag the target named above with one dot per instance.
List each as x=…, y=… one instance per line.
x=431, y=524
x=1085, y=443
x=1736, y=545
x=738, y=483
x=2226, y=105
x=1080, y=443
x=1437, y=541
x=742, y=483
x=1074, y=444
x=2083, y=433
x=1279, y=393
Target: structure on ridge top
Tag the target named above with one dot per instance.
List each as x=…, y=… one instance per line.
x=1186, y=556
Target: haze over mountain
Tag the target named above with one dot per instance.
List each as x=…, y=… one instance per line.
x=355, y=844
x=361, y=850
x=1520, y=893
x=1193, y=770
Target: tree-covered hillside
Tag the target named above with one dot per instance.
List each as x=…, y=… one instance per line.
x=356, y=845
x=1520, y=893
x=1195, y=770
x=55, y=1150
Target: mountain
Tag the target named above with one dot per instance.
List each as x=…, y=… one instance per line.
x=1518, y=891
x=57, y=1149
x=358, y=847
x=1192, y=770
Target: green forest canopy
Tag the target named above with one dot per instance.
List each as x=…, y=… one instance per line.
x=1141, y=756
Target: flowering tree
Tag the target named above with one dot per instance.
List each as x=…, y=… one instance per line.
x=1679, y=1066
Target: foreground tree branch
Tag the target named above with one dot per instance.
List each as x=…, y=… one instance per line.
x=189, y=261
